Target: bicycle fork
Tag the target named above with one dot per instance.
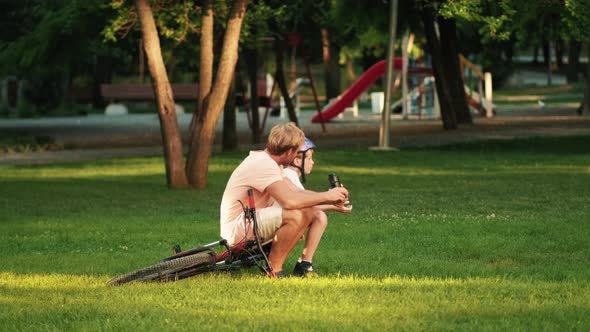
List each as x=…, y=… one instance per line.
x=252, y=215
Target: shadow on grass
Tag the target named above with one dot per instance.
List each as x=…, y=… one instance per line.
x=543, y=145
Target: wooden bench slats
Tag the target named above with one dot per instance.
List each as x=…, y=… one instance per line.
x=133, y=92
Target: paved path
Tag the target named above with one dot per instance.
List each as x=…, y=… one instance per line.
x=98, y=136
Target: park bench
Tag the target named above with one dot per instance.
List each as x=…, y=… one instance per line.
x=116, y=94
x=145, y=92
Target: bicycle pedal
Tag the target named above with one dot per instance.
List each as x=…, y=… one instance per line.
x=176, y=249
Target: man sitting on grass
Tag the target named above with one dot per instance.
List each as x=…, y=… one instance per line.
x=285, y=222
x=301, y=166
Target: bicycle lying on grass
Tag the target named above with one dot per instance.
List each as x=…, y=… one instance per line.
x=184, y=264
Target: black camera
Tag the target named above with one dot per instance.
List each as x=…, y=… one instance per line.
x=334, y=181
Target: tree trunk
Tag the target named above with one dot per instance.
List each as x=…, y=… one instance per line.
x=175, y=172
x=573, y=61
x=559, y=52
x=332, y=70
x=103, y=70
x=230, y=135
x=586, y=101
x=280, y=77
x=535, y=54
x=198, y=158
x=171, y=68
x=454, y=79
x=141, y=61
x=206, y=56
x=444, y=96
x=293, y=65
x=205, y=67
x=251, y=57
x=546, y=52
x=350, y=75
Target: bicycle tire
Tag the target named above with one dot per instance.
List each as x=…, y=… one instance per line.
x=168, y=270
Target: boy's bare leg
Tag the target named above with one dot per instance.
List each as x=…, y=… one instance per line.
x=295, y=222
x=314, y=235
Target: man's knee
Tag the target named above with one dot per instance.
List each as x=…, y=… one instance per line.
x=300, y=217
x=320, y=217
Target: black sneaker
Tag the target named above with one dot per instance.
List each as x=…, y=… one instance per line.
x=303, y=269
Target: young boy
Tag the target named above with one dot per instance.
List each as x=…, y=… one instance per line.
x=299, y=167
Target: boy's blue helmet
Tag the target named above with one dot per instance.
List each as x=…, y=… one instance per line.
x=307, y=145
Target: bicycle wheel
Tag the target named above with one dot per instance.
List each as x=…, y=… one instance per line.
x=169, y=270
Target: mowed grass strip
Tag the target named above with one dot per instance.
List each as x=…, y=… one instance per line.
x=487, y=235
x=211, y=302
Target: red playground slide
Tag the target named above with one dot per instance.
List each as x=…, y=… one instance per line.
x=354, y=91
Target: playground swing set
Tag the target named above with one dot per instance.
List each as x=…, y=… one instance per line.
x=419, y=96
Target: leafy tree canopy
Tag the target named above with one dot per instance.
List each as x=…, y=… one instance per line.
x=525, y=19
x=493, y=17
x=40, y=36
x=175, y=20
x=577, y=19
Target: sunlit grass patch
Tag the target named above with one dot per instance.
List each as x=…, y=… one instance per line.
x=245, y=301
x=99, y=169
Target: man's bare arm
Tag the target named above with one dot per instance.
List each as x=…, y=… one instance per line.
x=344, y=208
x=291, y=197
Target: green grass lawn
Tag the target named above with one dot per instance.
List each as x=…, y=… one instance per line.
x=555, y=95
x=486, y=236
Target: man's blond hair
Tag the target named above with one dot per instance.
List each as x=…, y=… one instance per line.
x=284, y=137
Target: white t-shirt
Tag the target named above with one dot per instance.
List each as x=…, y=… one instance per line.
x=293, y=176
x=256, y=172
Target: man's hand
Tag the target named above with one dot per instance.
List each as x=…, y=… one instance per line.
x=344, y=207
x=338, y=195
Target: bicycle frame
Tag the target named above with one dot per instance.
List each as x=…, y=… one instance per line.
x=245, y=253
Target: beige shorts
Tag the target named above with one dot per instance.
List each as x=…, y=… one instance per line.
x=269, y=220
